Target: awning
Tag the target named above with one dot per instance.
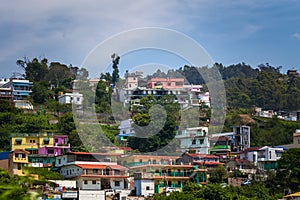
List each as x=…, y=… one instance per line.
x=46, y=139
x=19, y=139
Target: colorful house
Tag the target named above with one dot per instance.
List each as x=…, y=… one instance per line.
x=18, y=159
x=201, y=160
x=137, y=160
x=174, y=176
x=31, y=142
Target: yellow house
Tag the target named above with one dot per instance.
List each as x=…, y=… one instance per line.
x=18, y=159
x=31, y=142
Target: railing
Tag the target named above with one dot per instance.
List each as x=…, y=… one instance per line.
x=174, y=174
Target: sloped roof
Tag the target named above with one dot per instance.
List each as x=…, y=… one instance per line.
x=195, y=155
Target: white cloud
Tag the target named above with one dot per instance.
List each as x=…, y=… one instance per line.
x=296, y=36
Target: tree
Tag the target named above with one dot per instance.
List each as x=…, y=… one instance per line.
x=115, y=74
x=288, y=172
x=217, y=175
x=35, y=70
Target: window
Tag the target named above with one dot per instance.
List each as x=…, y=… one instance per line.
x=94, y=182
x=56, y=140
x=154, y=161
x=298, y=140
x=95, y=171
x=85, y=182
x=270, y=153
x=178, y=83
x=59, y=161
x=18, y=141
x=147, y=187
x=46, y=141
x=117, y=183
x=141, y=160
x=193, y=141
x=50, y=151
x=169, y=84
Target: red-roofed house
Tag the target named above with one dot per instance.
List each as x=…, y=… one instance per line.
x=97, y=176
x=206, y=160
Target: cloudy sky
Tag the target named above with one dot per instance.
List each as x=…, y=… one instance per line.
x=67, y=31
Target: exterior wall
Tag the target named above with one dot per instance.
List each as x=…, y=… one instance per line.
x=60, y=140
x=31, y=141
x=69, y=98
x=21, y=89
x=194, y=138
x=131, y=82
x=71, y=171
x=137, y=160
x=167, y=83
x=144, y=187
x=92, y=195
x=4, y=164
x=61, y=161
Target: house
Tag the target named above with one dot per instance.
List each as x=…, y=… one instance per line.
x=97, y=176
x=171, y=175
x=18, y=159
x=195, y=138
x=144, y=184
x=137, y=160
x=201, y=160
x=125, y=130
x=132, y=79
x=83, y=157
x=71, y=98
x=166, y=83
x=264, y=158
x=5, y=93
x=31, y=142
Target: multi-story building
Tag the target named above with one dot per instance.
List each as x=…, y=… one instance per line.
x=132, y=79
x=71, y=98
x=296, y=141
x=166, y=83
x=174, y=176
x=126, y=129
x=97, y=176
x=41, y=143
x=201, y=160
x=31, y=142
x=18, y=159
x=195, y=139
x=42, y=147
x=263, y=157
x=137, y=160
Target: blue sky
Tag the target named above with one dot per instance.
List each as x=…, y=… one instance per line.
x=67, y=31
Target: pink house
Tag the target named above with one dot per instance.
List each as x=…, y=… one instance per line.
x=166, y=83
x=60, y=146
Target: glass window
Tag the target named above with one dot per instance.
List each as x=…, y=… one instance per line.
x=147, y=187
x=85, y=182
x=117, y=183
x=94, y=182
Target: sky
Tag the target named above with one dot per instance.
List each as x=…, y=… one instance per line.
x=231, y=32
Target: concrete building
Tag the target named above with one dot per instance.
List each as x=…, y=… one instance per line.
x=166, y=83
x=144, y=184
x=195, y=139
x=71, y=98
x=18, y=159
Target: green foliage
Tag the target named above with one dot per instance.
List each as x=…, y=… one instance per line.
x=43, y=173
x=217, y=175
x=13, y=187
x=159, y=132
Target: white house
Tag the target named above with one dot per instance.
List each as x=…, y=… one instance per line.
x=144, y=184
x=97, y=176
x=263, y=157
x=195, y=138
x=125, y=129
x=69, y=98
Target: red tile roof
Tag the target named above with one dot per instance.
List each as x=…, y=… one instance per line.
x=95, y=153
x=91, y=166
